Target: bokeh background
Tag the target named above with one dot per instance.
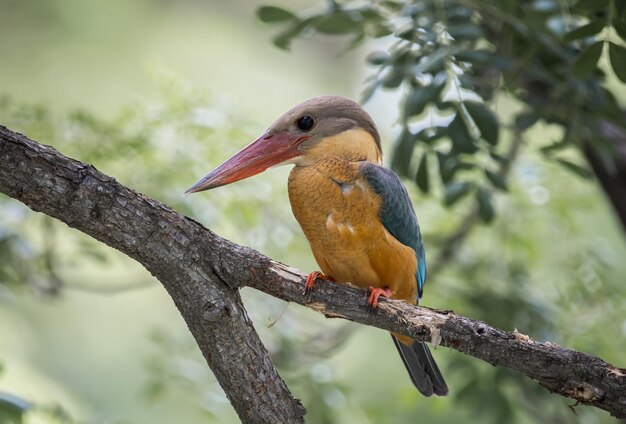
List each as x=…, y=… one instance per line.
x=156, y=93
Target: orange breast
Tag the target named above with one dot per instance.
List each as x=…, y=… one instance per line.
x=338, y=213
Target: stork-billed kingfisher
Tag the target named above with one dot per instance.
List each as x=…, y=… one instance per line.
x=356, y=214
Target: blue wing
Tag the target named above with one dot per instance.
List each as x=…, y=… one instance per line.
x=397, y=214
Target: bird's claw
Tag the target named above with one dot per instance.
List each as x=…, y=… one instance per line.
x=375, y=293
x=310, y=281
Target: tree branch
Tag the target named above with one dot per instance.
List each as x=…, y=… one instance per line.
x=201, y=271
x=178, y=251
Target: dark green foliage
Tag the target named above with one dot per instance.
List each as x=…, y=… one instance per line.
x=455, y=191
x=575, y=168
x=377, y=57
x=422, y=177
x=485, y=120
x=12, y=409
x=585, y=31
x=545, y=54
x=620, y=27
x=485, y=204
x=271, y=14
x=496, y=179
x=337, y=23
x=401, y=159
x=617, y=54
x=587, y=62
x=417, y=100
x=462, y=140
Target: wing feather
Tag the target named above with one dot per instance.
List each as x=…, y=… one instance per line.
x=397, y=214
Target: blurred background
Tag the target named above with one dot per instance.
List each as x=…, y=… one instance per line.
x=158, y=92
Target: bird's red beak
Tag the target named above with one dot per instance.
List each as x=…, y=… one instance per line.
x=265, y=152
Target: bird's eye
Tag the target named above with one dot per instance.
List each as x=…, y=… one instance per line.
x=305, y=123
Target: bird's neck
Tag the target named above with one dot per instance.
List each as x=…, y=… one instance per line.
x=352, y=145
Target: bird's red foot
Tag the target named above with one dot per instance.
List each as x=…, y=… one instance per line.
x=310, y=281
x=375, y=293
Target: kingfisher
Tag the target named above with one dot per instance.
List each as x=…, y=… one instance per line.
x=356, y=214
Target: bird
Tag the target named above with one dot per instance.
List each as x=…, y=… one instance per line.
x=355, y=213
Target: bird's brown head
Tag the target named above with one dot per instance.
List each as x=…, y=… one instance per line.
x=318, y=127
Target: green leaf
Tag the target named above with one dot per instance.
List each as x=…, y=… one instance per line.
x=456, y=13
x=464, y=165
x=393, y=78
x=283, y=40
x=377, y=57
x=446, y=167
x=356, y=41
x=402, y=57
x=272, y=14
x=526, y=119
x=369, y=91
x=449, y=164
x=419, y=97
x=432, y=63
x=497, y=157
x=446, y=106
x=485, y=205
x=13, y=408
x=588, y=60
x=429, y=135
x=620, y=6
x=337, y=23
x=556, y=146
x=485, y=120
x=617, y=55
x=620, y=28
x=406, y=34
x=461, y=138
x=402, y=153
x=421, y=178
x=474, y=56
x=369, y=14
x=585, y=31
x=465, y=31
x=380, y=30
x=10, y=416
x=496, y=179
x=586, y=6
x=455, y=191
x=575, y=168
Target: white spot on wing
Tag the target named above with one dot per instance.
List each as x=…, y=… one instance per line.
x=330, y=223
x=346, y=188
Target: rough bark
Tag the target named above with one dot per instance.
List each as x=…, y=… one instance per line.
x=201, y=271
x=179, y=252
